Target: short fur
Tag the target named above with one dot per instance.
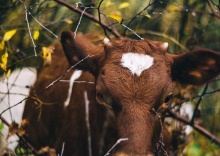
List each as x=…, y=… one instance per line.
x=137, y=101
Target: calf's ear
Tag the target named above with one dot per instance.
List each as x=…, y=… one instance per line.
x=81, y=52
x=196, y=67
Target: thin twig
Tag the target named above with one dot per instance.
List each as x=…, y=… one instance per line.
x=138, y=14
x=195, y=97
x=61, y=154
x=131, y=31
x=29, y=29
x=196, y=127
x=8, y=143
x=198, y=103
x=161, y=133
x=13, y=106
x=217, y=14
x=21, y=137
x=118, y=142
x=79, y=21
x=89, y=16
x=68, y=70
x=9, y=104
x=51, y=84
x=10, y=93
x=100, y=19
x=43, y=25
x=76, y=82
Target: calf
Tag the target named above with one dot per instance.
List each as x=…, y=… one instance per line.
x=134, y=78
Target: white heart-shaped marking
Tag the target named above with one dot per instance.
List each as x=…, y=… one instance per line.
x=136, y=63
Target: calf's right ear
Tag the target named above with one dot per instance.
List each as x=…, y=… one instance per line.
x=196, y=67
x=81, y=52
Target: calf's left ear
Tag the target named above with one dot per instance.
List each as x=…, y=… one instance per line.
x=78, y=48
x=196, y=67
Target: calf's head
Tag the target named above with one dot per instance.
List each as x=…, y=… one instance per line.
x=134, y=78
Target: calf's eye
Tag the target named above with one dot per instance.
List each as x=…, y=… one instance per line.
x=168, y=98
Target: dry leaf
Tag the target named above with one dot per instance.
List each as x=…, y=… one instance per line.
x=47, y=51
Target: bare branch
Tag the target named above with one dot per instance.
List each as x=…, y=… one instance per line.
x=43, y=26
x=89, y=82
x=29, y=29
x=195, y=97
x=138, y=14
x=100, y=19
x=214, y=11
x=79, y=21
x=198, y=103
x=118, y=142
x=58, y=80
x=89, y=16
x=21, y=137
x=196, y=127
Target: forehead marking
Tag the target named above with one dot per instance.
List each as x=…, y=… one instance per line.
x=136, y=63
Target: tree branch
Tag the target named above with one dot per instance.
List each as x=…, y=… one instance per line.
x=89, y=16
x=138, y=14
x=217, y=14
x=21, y=137
x=196, y=127
x=198, y=103
x=100, y=19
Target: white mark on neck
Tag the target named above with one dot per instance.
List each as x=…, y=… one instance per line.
x=136, y=63
x=76, y=75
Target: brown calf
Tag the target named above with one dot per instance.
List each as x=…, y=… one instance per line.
x=132, y=77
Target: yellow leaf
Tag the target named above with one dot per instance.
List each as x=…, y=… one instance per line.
x=123, y=5
x=47, y=51
x=68, y=21
x=4, y=61
x=8, y=73
x=109, y=4
x=173, y=8
x=2, y=45
x=8, y=35
x=115, y=17
x=36, y=34
x=148, y=15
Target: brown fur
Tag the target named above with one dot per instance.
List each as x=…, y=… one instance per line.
x=137, y=101
x=50, y=124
